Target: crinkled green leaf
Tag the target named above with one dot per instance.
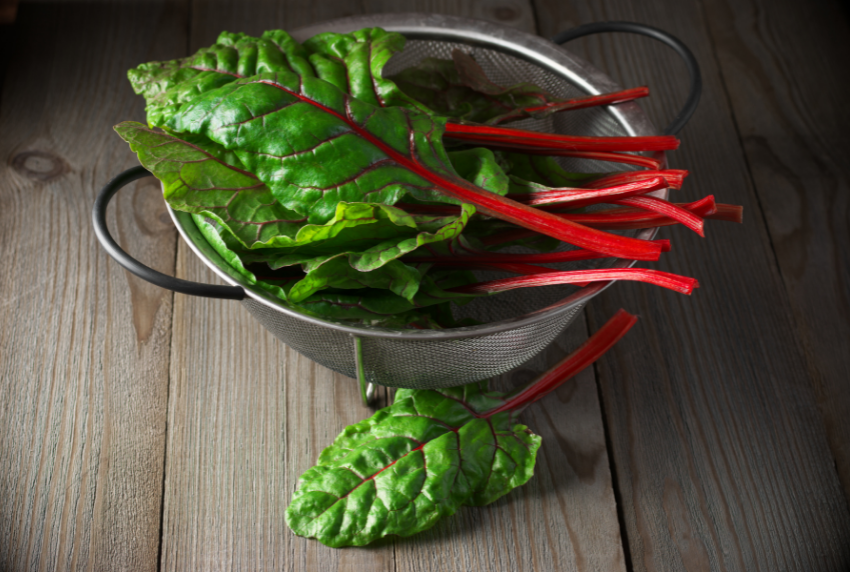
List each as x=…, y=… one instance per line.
x=337, y=272
x=315, y=146
x=360, y=58
x=195, y=180
x=211, y=234
x=167, y=85
x=369, y=235
x=380, y=304
x=479, y=166
x=352, y=62
x=410, y=464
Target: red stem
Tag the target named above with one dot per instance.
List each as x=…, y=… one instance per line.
x=579, y=103
x=594, y=100
x=589, y=352
x=524, y=138
x=491, y=204
x=625, y=158
x=633, y=218
x=666, y=208
x=730, y=213
x=674, y=178
x=630, y=219
x=481, y=256
x=682, y=284
x=576, y=198
x=513, y=267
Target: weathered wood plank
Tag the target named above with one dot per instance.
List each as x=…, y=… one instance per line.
x=788, y=95
x=564, y=518
x=84, y=364
x=292, y=408
x=720, y=454
x=247, y=415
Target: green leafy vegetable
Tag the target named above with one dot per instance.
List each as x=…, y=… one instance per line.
x=318, y=180
x=167, y=85
x=459, y=88
x=428, y=454
x=315, y=146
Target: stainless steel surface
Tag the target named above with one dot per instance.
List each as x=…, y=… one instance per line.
x=515, y=325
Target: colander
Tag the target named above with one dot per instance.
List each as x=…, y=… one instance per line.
x=514, y=326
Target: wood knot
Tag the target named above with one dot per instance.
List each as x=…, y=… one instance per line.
x=39, y=165
x=505, y=13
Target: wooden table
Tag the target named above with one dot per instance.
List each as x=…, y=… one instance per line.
x=141, y=430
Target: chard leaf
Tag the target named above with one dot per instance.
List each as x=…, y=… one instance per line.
x=543, y=170
x=211, y=234
x=352, y=62
x=360, y=57
x=480, y=167
x=167, y=85
x=369, y=235
x=410, y=464
x=381, y=304
x=199, y=181
x=315, y=146
x=337, y=272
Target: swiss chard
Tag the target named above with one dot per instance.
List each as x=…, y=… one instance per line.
x=329, y=186
x=428, y=454
x=327, y=147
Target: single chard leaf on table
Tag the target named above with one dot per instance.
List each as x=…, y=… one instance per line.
x=419, y=461
x=428, y=454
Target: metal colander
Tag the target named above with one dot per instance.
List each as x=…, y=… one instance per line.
x=516, y=325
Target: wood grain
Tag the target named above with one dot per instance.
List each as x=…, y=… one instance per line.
x=720, y=455
x=262, y=414
x=787, y=94
x=247, y=415
x=84, y=361
x=721, y=459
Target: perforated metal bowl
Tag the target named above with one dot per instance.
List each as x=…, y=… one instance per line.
x=515, y=325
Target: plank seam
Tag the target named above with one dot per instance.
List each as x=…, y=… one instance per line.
x=169, y=357
x=612, y=466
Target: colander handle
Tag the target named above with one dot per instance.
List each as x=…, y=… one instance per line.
x=634, y=28
x=136, y=267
